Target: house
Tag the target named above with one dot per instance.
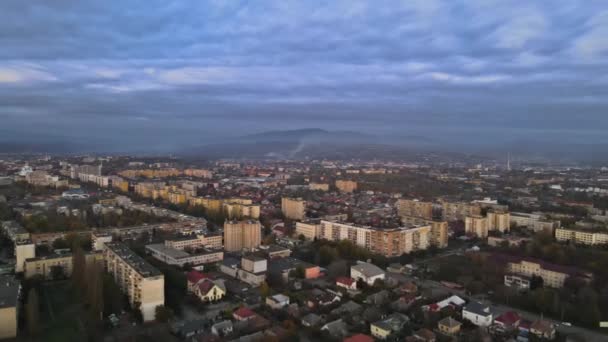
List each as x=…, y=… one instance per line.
x=507, y=321
x=478, y=314
x=243, y=314
x=222, y=328
x=453, y=301
x=366, y=272
x=389, y=325
x=359, y=338
x=543, y=329
x=186, y=329
x=408, y=288
x=320, y=298
x=209, y=290
x=449, y=326
x=346, y=283
x=277, y=301
x=349, y=308
x=424, y=335
x=311, y=320
x=205, y=288
x=336, y=329
x=378, y=298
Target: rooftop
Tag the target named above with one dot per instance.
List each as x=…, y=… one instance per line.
x=135, y=261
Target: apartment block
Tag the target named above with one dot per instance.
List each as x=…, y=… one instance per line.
x=499, y=220
x=293, y=208
x=346, y=185
x=239, y=235
x=583, y=237
x=309, y=229
x=534, y=222
x=143, y=284
x=386, y=241
x=238, y=210
x=476, y=226
x=43, y=266
x=439, y=229
x=415, y=208
x=454, y=211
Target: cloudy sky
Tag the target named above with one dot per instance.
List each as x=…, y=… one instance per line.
x=165, y=74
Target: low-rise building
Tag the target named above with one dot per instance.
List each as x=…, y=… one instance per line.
x=392, y=324
x=478, y=314
x=180, y=258
x=583, y=237
x=449, y=326
x=366, y=272
x=277, y=301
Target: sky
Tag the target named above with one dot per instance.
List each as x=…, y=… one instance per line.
x=168, y=74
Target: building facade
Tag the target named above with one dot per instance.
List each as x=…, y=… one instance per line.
x=143, y=284
x=293, y=208
x=239, y=235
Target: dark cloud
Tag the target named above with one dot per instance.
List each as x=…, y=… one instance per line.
x=166, y=73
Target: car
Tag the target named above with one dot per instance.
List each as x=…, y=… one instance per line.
x=567, y=324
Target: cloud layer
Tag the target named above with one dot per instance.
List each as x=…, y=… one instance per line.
x=170, y=73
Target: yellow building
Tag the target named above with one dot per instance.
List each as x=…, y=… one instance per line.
x=143, y=284
x=293, y=208
x=499, y=220
x=346, y=185
x=238, y=210
x=476, y=226
x=415, y=208
x=318, y=186
x=43, y=266
x=10, y=290
x=380, y=331
x=453, y=211
x=583, y=237
x=386, y=241
x=553, y=275
x=309, y=229
x=439, y=229
x=239, y=235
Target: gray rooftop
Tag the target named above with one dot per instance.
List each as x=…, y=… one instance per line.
x=135, y=261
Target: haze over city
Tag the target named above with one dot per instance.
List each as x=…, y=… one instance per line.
x=164, y=76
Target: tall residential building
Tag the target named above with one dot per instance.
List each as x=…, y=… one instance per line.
x=75, y=170
x=239, y=235
x=293, y=208
x=310, y=229
x=477, y=226
x=10, y=290
x=453, y=211
x=43, y=266
x=535, y=222
x=346, y=185
x=143, y=284
x=24, y=250
x=238, y=210
x=407, y=207
x=499, y=220
x=439, y=229
x=386, y=241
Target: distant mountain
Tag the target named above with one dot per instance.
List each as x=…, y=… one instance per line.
x=310, y=134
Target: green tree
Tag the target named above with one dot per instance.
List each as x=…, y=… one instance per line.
x=264, y=290
x=163, y=314
x=32, y=312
